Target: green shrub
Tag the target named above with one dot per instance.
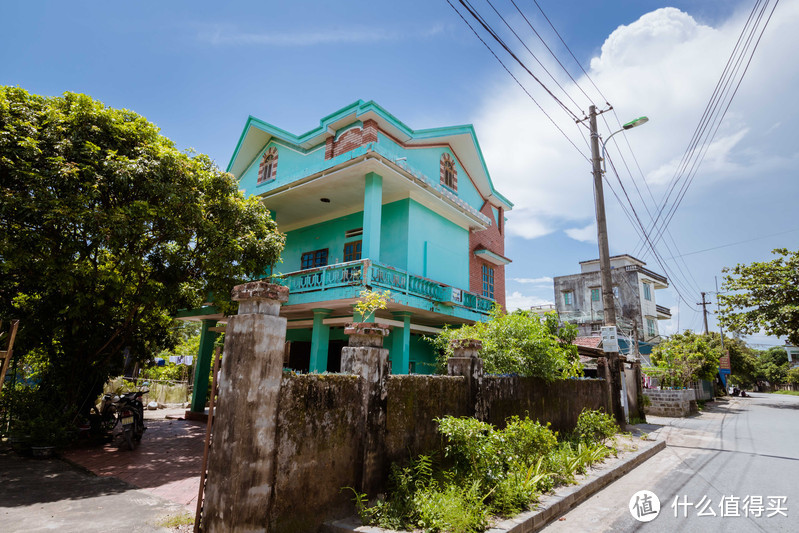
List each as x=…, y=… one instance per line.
x=595, y=426
x=452, y=509
x=524, y=441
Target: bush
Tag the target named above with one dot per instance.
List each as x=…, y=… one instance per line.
x=595, y=426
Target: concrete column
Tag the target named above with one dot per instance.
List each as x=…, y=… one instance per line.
x=320, y=338
x=465, y=362
x=202, y=369
x=401, y=347
x=241, y=467
x=372, y=216
x=366, y=357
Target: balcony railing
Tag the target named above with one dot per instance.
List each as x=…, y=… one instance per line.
x=662, y=310
x=370, y=274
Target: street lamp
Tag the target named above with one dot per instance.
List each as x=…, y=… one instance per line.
x=640, y=121
x=608, y=306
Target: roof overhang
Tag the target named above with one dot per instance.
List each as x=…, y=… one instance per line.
x=491, y=257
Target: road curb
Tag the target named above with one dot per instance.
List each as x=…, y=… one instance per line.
x=550, y=506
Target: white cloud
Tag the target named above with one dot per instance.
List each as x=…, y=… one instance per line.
x=541, y=280
x=586, y=234
x=517, y=300
x=664, y=65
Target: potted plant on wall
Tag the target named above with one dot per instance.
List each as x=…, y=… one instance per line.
x=367, y=332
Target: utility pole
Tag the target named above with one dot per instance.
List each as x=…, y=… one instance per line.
x=609, y=308
x=703, y=303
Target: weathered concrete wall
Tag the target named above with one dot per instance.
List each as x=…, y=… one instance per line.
x=559, y=402
x=414, y=402
x=678, y=402
x=318, y=443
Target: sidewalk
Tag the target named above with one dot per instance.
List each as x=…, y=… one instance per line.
x=166, y=463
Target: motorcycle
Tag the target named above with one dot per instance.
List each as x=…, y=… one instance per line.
x=125, y=411
x=130, y=409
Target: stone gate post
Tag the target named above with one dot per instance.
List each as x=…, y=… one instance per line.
x=465, y=362
x=241, y=469
x=366, y=357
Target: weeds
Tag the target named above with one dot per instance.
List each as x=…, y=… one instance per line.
x=484, y=472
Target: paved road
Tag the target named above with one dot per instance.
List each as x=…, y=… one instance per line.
x=730, y=454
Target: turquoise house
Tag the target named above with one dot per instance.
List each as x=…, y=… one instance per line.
x=368, y=203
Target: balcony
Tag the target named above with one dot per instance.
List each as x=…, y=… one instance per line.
x=328, y=282
x=663, y=313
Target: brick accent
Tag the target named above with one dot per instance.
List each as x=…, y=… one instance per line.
x=351, y=139
x=268, y=166
x=447, y=164
x=491, y=239
x=370, y=129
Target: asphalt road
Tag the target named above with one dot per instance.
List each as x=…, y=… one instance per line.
x=734, y=467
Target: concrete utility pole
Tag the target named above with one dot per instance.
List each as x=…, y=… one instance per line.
x=609, y=308
x=704, y=303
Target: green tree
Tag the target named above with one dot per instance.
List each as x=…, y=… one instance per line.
x=684, y=358
x=520, y=343
x=766, y=297
x=743, y=359
x=106, y=230
x=772, y=365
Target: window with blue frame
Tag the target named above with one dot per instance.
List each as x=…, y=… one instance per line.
x=488, y=282
x=594, y=295
x=568, y=297
x=650, y=327
x=317, y=258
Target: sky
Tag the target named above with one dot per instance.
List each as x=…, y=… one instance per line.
x=199, y=69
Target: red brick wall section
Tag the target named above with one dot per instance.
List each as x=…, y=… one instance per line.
x=351, y=139
x=492, y=239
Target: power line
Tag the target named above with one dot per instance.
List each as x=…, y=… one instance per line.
x=519, y=83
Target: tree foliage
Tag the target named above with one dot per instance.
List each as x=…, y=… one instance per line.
x=520, y=343
x=743, y=359
x=684, y=358
x=766, y=297
x=106, y=230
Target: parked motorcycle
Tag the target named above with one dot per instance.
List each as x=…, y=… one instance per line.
x=125, y=411
x=131, y=416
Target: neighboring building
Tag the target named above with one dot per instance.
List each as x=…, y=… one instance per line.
x=367, y=202
x=793, y=355
x=578, y=297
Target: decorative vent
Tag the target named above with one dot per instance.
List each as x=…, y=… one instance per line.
x=353, y=233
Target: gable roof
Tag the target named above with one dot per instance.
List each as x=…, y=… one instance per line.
x=462, y=139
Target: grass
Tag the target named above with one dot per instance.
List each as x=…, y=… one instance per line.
x=183, y=519
x=789, y=392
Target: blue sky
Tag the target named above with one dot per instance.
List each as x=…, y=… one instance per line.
x=198, y=69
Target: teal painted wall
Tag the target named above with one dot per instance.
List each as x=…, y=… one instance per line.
x=394, y=234
x=427, y=161
x=437, y=249
x=292, y=164
x=328, y=235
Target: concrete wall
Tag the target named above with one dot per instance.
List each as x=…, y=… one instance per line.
x=559, y=402
x=318, y=438
x=672, y=403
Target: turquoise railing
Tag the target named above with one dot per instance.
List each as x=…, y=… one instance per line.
x=369, y=274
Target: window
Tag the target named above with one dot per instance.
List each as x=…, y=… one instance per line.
x=268, y=168
x=647, y=292
x=352, y=251
x=616, y=292
x=488, y=282
x=650, y=327
x=594, y=295
x=568, y=297
x=317, y=258
x=449, y=176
